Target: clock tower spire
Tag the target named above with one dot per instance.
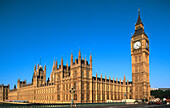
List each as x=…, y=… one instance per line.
x=140, y=61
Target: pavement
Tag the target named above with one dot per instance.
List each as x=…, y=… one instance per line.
x=131, y=106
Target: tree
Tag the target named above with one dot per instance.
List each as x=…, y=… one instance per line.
x=161, y=93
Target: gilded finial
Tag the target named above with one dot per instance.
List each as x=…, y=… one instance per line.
x=139, y=11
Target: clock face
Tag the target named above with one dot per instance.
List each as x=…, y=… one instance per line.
x=137, y=45
x=147, y=46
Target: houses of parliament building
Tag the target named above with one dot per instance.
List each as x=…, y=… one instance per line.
x=88, y=88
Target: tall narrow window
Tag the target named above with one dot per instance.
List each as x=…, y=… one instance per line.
x=75, y=96
x=58, y=77
x=88, y=96
x=75, y=86
x=75, y=73
x=136, y=68
x=88, y=86
x=58, y=87
x=82, y=74
x=135, y=58
x=87, y=74
x=139, y=58
x=94, y=86
x=82, y=86
x=58, y=97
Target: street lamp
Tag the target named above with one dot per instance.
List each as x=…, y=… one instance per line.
x=125, y=97
x=72, y=91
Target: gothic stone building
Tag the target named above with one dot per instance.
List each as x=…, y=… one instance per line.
x=89, y=89
x=4, y=92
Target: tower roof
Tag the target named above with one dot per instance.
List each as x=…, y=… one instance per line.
x=139, y=30
x=139, y=21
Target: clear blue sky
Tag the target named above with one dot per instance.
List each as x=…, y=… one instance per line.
x=54, y=28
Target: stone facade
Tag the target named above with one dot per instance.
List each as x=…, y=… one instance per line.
x=4, y=92
x=140, y=62
x=89, y=89
x=78, y=75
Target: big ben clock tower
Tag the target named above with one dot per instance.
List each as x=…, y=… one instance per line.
x=140, y=61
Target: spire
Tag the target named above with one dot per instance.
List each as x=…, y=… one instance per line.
x=124, y=77
x=139, y=19
x=79, y=57
x=67, y=65
x=90, y=60
x=139, y=27
x=45, y=67
x=35, y=68
x=79, y=53
x=38, y=66
x=56, y=64
x=61, y=61
x=71, y=59
x=85, y=60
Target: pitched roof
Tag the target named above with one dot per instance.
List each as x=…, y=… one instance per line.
x=139, y=32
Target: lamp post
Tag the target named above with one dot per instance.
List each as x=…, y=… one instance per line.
x=72, y=91
x=125, y=97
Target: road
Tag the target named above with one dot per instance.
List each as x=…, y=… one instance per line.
x=131, y=106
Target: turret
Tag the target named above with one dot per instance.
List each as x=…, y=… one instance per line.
x=90, y=65
x=54, y=65
x=109, y=79
x=44, y=79
x=90, y=60
x=116, y=80
x=85, y=61
x=101, y=77
x=34, y=68
x=62, y=62
x=67, y=65
x=79, y=57
x=18, y=83
x=96, y=76
x=120, y=80
x=71, y=59
x=38, y=66
x=124, y=80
